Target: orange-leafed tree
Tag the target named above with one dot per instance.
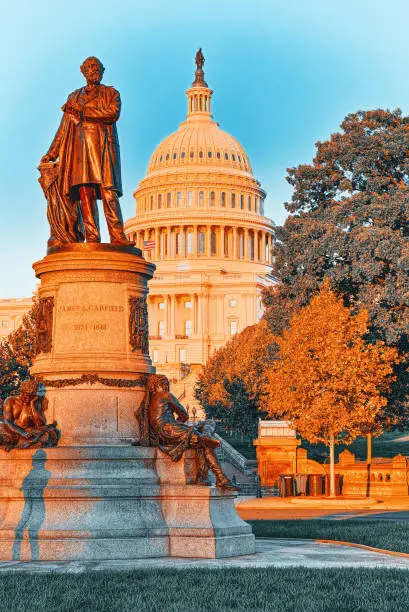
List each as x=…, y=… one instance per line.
x=230, y=387
x=327, y=380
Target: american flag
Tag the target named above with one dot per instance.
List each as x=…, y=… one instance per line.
x=148, y=245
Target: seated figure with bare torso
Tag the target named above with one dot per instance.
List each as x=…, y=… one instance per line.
x=24, y=423
x=174, y=436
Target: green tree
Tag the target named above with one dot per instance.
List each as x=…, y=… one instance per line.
x=230, y=387
x=17, y=352
x=349, y=222
x=327, y=381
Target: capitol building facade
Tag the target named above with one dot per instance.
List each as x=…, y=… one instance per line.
x=200, y=219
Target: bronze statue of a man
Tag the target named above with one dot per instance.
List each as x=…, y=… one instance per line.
x=24, y=423
x=86, y=145
x=173, y=436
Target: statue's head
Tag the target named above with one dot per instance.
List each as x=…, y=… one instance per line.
x=93, y=70
x=28, y=388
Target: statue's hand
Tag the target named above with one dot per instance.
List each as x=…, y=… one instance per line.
x=73, y=107
x=48, y=158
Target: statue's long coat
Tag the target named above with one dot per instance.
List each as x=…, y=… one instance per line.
x=88, y=150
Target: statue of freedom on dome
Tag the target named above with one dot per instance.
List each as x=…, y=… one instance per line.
x=200, y=60
x=88, y=168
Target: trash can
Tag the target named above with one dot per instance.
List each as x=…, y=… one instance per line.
x=301, y=481
x=316, y=484
x=337, y=484
x=286, y=485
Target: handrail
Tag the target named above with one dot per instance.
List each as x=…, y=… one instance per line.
x=233, y=455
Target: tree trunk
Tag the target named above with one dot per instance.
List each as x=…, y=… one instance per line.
x=369, y=448
x=332, y=466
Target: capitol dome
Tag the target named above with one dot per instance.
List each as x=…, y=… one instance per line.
x=199, y=142
x=200, y=219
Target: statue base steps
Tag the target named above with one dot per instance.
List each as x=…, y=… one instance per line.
x=112, y=502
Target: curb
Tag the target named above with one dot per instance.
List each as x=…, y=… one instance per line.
x=370, y=548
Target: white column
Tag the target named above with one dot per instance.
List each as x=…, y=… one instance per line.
x=172, y=316
x=246, y=244
x=234, y=243
x=199, y=315
x=195, y=238
x=166, y=301
x=222, y=254
x=157, y=243
x=208, y=249
x=168, y=242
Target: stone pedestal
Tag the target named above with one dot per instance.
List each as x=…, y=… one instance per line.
x=110, y=502
x=96, y=357
x=97, y=495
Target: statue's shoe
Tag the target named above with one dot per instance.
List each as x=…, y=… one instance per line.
x=226, y=484
x=123, y=242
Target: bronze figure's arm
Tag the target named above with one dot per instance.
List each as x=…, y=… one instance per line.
x=9, y=419
x=107, y=112
x=180, y=410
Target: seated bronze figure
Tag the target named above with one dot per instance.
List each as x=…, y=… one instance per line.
x=169, y=431
x=24, y=423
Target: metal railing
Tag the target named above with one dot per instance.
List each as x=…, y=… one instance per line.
x=226, y=452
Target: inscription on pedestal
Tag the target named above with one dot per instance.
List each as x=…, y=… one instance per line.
x=91, y=317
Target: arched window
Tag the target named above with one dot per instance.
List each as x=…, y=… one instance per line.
x=233, y=157
x=200, y=154
x=233, y=200
x=213, y=243
x=188, y=327
x=226, y=156
x=218, y=155
x=223, y=199
x=201, y=241
x=183, y=155
x=201, y=198
x=212, y=198
x=209, y=154
x=174, y=156
x=241, y=245
x=190, y=243
x=233, y=327
x=191, y=154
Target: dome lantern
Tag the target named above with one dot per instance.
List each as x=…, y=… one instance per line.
x=199, y=95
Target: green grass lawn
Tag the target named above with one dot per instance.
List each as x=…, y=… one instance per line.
x=389, y=535
x=281, y=590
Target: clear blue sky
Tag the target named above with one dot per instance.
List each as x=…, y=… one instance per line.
x=285, y=73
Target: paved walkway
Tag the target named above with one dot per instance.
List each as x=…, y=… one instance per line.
x=270, y=553
x=323, y=507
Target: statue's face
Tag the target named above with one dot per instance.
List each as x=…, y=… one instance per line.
x=93, y=71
